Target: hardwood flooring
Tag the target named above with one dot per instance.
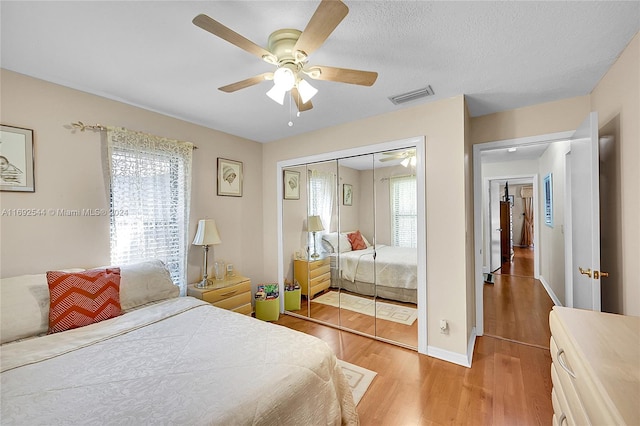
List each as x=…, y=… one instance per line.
x=509, y=383
x=516, y=305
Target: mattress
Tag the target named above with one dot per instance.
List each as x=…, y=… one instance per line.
x=394, y=266
x=180, y=361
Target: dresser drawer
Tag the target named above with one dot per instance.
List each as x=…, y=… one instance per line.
x=560, y=415
x=244, y=309
x=319, y=269
x=567, y=403
x=563, y=383
x=214, y=296
x=234, y=301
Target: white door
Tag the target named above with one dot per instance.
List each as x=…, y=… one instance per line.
x=494, y=208
x=585, y=215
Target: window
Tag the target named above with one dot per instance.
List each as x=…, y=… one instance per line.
x=322, y=190
x=404, y=207
x=150, y=191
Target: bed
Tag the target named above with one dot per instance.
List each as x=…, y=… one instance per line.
x=170, y=360
x=394, y=276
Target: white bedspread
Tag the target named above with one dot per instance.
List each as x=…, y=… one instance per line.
x=181, y=361
x=394, y=266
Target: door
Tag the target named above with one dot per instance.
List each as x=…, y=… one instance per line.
x=505, y=231
x=585, y=216
x=494, y=208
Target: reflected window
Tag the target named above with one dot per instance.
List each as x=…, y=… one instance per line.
x=404, y=211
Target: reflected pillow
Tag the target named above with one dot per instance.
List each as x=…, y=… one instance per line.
x=331, y=241
x=82, y=298
x=357, y=243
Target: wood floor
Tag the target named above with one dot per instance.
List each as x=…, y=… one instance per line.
x=516, y=305
x=508, y=384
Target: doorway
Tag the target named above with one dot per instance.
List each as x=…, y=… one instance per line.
x=513, y=310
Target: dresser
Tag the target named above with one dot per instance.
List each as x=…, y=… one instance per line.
x=232, y=293
x=313, y=276
x=595, y=368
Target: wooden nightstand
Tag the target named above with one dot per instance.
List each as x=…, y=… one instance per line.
x=313, y=276
x=232, y=293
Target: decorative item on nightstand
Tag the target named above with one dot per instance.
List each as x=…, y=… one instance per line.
x=206, y=235
x=314, y=224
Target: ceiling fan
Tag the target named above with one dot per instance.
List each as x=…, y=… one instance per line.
x=289, y=50
x=407, y=156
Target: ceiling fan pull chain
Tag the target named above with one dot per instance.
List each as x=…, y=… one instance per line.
x=290, y=118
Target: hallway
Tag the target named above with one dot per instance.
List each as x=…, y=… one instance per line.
x=516, y=305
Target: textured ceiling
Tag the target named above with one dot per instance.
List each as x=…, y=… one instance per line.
x=501, y=55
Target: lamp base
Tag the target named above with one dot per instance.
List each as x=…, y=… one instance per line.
x=204, y=283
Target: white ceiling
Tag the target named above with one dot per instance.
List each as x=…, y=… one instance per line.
x=501, y=55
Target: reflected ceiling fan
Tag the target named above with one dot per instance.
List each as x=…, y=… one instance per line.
x=407, y=156
x=289, y=50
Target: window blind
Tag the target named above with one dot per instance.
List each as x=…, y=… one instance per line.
x=404, y=211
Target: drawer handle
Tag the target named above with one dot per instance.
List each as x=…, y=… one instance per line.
x=564, y=365
x=563, y=417
x=229, y=293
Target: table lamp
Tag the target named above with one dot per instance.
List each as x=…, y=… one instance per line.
x=314, y=224
x=206, y=235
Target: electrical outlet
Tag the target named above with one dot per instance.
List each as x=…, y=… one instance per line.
x=444, y=326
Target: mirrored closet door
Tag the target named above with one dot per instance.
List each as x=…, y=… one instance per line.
x=349, y=243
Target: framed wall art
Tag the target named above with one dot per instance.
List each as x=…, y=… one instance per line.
x=291, y=182
x=229, y=177
x=548, y=200
x=16, y=159
x=347, y=194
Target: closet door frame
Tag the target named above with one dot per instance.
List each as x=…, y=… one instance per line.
x=419, y=143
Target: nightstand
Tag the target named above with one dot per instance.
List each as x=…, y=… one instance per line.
x=313, y=275
x=232, y=293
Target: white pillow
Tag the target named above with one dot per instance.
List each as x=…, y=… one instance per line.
x=145, y=282
x=332, y=239
x=24, y=306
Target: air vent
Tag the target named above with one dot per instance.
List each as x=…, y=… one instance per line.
x=412, y=96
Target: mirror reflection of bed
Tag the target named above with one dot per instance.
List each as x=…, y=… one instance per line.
x=363, y=277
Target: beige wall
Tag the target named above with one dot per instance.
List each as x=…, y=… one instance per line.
x=551, y=238
x=442, y=123
x=616, y=98
x=69, y=175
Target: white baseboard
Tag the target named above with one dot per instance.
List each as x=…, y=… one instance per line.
x=550, y=292
x=455, y=357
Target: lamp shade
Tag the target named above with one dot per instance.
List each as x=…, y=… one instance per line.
x=314, y=224
x=207, y=233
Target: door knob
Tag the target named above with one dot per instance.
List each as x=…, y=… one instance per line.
x=600, y=274
x=586, y=272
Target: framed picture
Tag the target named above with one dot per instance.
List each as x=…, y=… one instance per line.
x=229, y=177
x=548, y=200
x=291, y=182
x=16, y=159
x=347, y=194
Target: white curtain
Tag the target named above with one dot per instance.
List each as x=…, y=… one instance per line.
x=150, y=179
x=322, y=196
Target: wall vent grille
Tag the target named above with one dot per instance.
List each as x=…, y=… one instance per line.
x=412, y=96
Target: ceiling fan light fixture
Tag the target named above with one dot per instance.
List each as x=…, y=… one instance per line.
x=306, y=91
x=277, y=94
x=284, y=78
x=405, y=162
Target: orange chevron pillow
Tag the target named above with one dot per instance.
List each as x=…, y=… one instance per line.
x=82, y=298
x=357, y=243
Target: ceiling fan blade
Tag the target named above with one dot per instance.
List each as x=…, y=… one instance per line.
x=390, y=159
x=325, y=19
x=217, y=29
x=343, y=75
x=229, y=88
x=296, y=97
